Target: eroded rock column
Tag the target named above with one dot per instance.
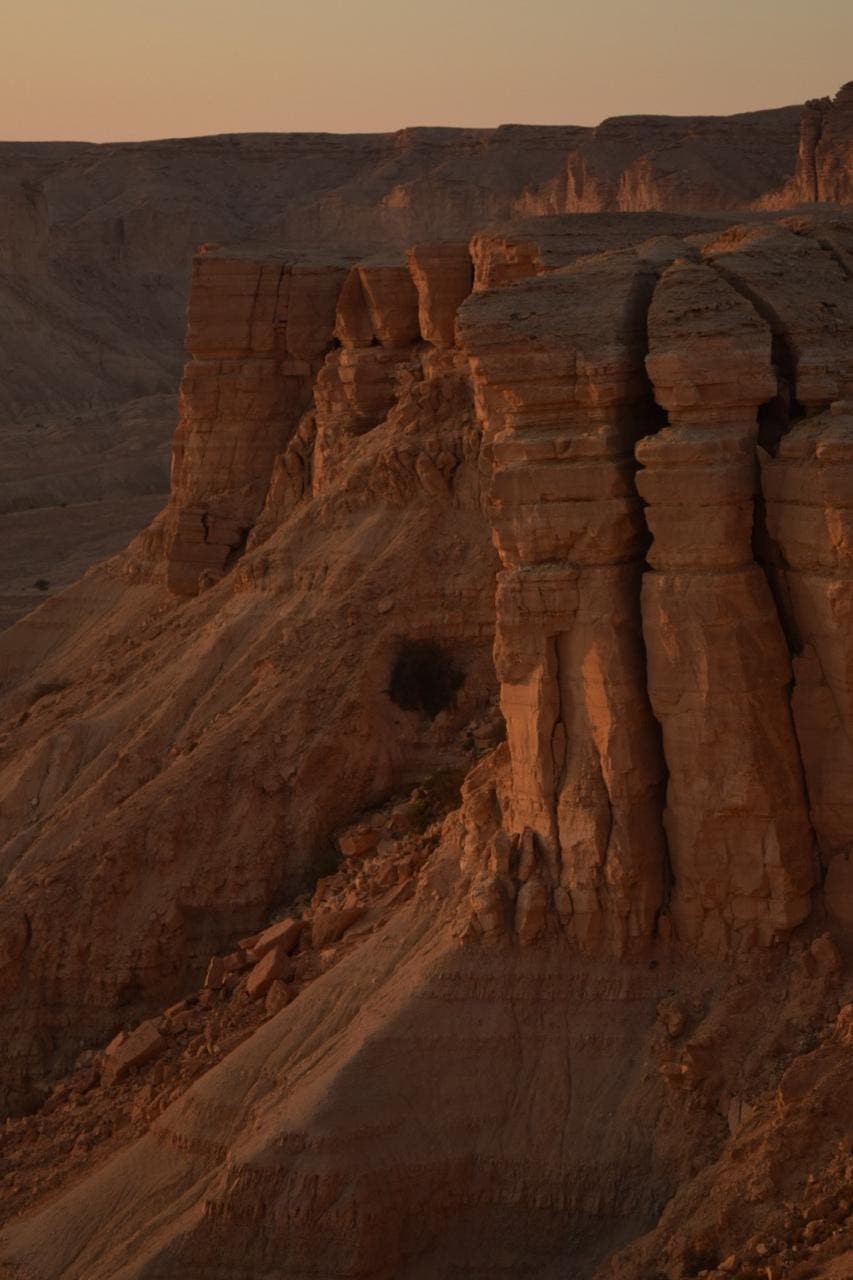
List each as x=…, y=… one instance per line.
x=719, y=672
x=257, y=330
x=809, y=493
x=558, y=366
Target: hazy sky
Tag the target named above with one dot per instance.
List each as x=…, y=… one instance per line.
x=110, y=69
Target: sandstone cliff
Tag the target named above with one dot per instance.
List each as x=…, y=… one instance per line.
x=824, y=159
x=95, y=243
x=538, y=1028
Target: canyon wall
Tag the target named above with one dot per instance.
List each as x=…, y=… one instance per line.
x=567, y=529
x=737, y=338
x=824, y=168
x=96, y=242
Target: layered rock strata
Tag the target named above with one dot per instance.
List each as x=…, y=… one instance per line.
x=558, y=366
x=809, y=503
x=718, y=666
x=504, y=1040
x=257, y=331
x=824, y=167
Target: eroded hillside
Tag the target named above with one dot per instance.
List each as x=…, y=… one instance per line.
x=561, y=522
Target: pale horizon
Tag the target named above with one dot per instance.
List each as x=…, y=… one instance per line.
x=101, y=72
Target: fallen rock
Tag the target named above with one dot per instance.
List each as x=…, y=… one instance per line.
x=825, y=955
x=329, y=926
x=140, y=1046
x=530, y=911
x=274, y=964
x=283, y=935
x=356, y=843
x=215, y=975
x=278, y=996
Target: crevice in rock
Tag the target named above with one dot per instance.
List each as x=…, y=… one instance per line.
x=651, y=418
x=778, y=415
x=767, y=554
x=770, y=560
x=237, y=548
x=277, y=322
x=774, y=419
x=821, y=107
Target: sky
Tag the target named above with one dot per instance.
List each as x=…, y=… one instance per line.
x=103, y=70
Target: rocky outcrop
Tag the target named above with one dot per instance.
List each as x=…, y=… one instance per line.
x=809, y=497
x=824, y=168
x=718, y=666
x=301, y=964
x=443, y=276
x=635, y=163
x=257, y=330
x=558, y=366
x=291, y=359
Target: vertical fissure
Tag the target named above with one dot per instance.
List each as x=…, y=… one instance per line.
x=820, y=107
x=651, y=418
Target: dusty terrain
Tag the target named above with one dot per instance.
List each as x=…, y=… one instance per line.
x=427, y=848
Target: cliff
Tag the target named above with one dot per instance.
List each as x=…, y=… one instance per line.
x=565, y=529
x=96, y=241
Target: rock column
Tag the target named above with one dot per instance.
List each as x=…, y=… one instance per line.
x=558, y=367
x=256, y=330
x=809, y=493
x=719, y=671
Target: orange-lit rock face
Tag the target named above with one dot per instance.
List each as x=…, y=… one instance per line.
x=559, y=375
x=718, y=666
x=257, y=330
x=514, y=1019
x=443, y=275
x=809, y=497
x=824, y=167
x=739, y=343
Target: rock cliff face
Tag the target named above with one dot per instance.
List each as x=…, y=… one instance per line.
x=824, y=159
x=737, y=821
x=95, y=243
x=559, y=369
x=565, y=529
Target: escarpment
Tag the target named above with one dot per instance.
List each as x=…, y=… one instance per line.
x=242, y=708
x=427, y=848
x=823, y=169
x=737, y=821
x=96, y=242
